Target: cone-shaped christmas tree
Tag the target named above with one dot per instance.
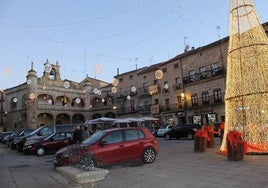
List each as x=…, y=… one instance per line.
x=246, y=98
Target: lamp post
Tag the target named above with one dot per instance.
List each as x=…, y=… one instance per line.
x=114, y=108
x=183, y=102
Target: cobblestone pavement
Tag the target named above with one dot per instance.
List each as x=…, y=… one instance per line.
x=177, y=165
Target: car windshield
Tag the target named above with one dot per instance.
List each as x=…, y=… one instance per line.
x=27, y=132
x=36, y=130
x=93, y=138
x=49, y=136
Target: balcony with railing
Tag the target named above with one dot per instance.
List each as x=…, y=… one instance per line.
x=203, y=102
x=148, y=91
x=171, y=107
x=102, y=108
x=220, y=71
x=145, y=109
x=46, y=106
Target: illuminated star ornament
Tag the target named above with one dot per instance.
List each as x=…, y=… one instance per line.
x=246, y=98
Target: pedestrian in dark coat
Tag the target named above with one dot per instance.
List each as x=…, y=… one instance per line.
x=78, y=135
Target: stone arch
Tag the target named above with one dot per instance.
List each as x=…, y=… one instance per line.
x=108, y=100
x=45, y=99
x=78, y=118
x=110, y=115
x=62, y=100
x=96, y=101
x=52, y=74
x=78, y=102
x=95, y=116
x=45, y=119
x=23, y=100
x=13, y=103
x=63, y=118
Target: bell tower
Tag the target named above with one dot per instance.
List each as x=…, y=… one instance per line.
x=31, y=102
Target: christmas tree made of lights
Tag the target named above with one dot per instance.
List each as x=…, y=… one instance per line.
x=246, y=98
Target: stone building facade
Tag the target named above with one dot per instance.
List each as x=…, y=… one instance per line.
x=47, y=100
x=189, y=88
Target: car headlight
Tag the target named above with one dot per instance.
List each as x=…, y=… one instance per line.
x=29, y=146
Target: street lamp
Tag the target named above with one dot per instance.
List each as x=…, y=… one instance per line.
x=183, y=102
x=114, y=108
x=182, y=98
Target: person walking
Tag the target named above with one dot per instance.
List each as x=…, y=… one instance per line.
x=77, y=135
x=221, y=130
x=85, y=133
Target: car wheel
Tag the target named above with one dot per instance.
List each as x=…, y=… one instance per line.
x=190, y=136
x=40, y=151
x=94, y=161
x=148, y=155
x=167, y=137
x=86, y=161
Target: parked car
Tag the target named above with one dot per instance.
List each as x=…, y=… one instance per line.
x=5, y=138
x=110, y=146
x=15, y=139
x=153, y=130
x=50, y=144
x=163, y=129
x=11, y=136
x=182, y=131
x=4, y=134
x=43, y=132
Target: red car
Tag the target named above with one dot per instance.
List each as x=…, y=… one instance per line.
x=50, y=144
x=111, y=146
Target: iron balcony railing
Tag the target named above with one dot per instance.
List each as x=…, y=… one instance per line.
x=202, y=102
x=220, y=71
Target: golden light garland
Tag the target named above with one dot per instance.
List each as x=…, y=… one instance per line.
x=246, y=99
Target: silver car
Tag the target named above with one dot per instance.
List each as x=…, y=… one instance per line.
x=163, y=129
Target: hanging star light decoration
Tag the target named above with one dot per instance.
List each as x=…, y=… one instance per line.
x=246, y=98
